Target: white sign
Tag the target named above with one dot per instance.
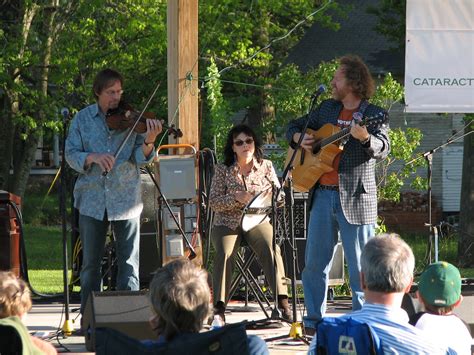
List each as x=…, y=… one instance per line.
x=439, y=63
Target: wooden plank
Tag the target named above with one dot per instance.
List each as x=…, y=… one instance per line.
x=182, y=21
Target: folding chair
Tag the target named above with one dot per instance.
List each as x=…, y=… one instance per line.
x=344, y=336
x=229, y=340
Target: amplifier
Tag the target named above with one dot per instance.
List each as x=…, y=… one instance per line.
x=9, y=233
x=300, y=223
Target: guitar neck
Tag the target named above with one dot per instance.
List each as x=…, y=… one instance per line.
x=335, y=137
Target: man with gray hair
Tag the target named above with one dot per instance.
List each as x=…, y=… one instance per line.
x=387, y=265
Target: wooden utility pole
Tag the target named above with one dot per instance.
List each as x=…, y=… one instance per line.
x=182, y=21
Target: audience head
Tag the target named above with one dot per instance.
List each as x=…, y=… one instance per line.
x=180, y=297
x=440, y=287
x=15, y=297
x=229, y=156
x=387, y=264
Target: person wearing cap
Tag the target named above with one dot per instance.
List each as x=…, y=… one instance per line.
x=439, y=290
x=387, y=264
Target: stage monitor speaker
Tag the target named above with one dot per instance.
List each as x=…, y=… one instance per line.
x=125, y=311
x=9, y=233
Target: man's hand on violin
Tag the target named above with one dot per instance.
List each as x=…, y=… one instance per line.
x=105, y=161
x=153, y=129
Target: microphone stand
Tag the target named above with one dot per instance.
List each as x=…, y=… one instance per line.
x=67, y=325
x=428, y=155
x=296, y=329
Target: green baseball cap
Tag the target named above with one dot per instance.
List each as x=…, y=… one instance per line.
x=440, y=284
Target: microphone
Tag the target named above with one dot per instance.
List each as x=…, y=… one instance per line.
x=65, y=111
x=318, y=92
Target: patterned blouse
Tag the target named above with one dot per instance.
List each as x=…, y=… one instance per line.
x=228, y=180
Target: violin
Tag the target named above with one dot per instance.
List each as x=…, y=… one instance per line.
x=124, y=116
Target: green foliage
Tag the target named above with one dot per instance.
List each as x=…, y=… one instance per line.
x=391, y=20
x=400, y=164
x=219, y=111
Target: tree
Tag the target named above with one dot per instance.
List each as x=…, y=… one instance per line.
x=249, y=41
x=49, y=59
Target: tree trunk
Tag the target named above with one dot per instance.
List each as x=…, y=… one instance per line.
x=6, y=143
x=23, y=161
x=466, y=222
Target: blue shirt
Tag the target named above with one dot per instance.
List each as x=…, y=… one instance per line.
x=396, y=335
x=118, y=193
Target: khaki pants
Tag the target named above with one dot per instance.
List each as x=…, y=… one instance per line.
x=227, y=243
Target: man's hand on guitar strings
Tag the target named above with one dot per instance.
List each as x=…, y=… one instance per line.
x=306, y=143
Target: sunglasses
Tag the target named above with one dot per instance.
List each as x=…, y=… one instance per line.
x=240, y=143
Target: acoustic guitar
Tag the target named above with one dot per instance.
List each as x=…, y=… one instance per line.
x=309, y=167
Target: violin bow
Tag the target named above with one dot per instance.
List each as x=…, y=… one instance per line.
x=119, y=149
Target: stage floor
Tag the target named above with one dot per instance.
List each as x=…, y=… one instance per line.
x=46, y=318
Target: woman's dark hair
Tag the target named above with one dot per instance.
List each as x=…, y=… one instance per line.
x=104, y=79
x=229, y=155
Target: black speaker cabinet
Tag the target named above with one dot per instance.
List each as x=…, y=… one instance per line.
x=125, y=311
x=300, y=224
x=150, y=258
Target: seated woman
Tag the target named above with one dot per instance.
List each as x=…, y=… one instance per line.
x=180, y=298
x=242, y=176
x=15, y=302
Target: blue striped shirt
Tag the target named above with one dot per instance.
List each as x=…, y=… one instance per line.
x=396, y=335
x=118, y=193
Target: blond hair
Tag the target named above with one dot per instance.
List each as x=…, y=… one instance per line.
x=15, y=296
x=180, y=297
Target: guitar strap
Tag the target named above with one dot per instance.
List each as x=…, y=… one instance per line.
x=357, y=116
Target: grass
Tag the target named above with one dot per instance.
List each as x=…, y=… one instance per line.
x=44, y=255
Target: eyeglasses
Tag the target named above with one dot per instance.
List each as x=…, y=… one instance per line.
x=240, y=143
x=113, y=93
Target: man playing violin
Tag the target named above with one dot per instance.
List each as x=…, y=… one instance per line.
x=344, y=200
x=108, y=189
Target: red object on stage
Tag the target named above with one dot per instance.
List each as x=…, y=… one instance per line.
x=9, y=233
